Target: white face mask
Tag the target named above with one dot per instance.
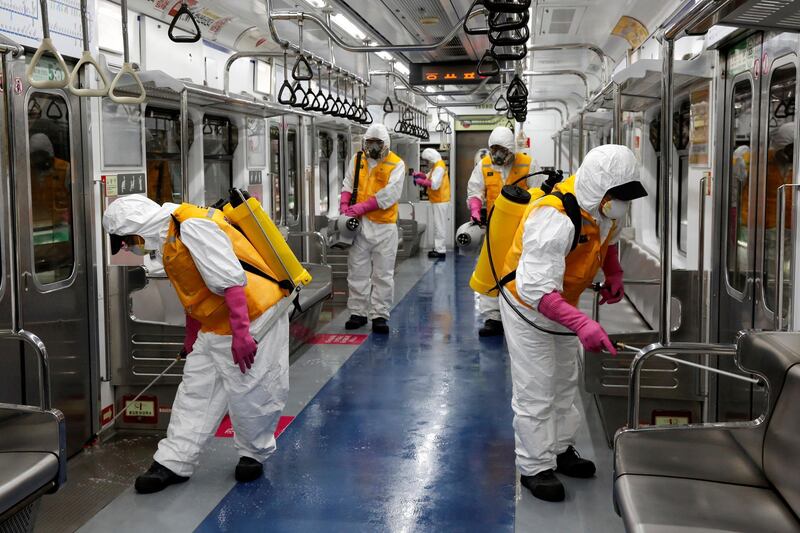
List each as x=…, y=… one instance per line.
x=614, y=209
x=138, y=249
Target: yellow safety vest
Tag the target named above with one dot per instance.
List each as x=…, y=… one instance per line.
x=442, y=194
x=199, y=302
x=582, y=263
x=370, y=182
x=493, y=180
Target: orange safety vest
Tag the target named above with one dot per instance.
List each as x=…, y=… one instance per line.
x=493, y=180
x=199, y=302
x=370, y=182
x=442, y=194
x=582, y=263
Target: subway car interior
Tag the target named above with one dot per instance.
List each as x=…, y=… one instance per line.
x=375, y=150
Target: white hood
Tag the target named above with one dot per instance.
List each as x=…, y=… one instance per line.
x=431, y=155
x=139, y=215
x=783, y=137
x=379, y=131
x=603, y=168
x=504, y=137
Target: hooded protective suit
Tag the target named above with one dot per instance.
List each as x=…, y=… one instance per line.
x=544, y=367
x=212, y=383
x=370, y=264
x=476, y=196
x=440, y=203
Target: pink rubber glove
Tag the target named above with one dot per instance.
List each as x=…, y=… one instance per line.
x=344, y=201
x=420, y=175
x=192, y=328
x=243, y=345
x=425, y=182
x=475, y=205
x=613, y=289
x=362, y=208
x=590, y=333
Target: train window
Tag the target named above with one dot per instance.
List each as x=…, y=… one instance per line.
x=780, y=170
x=292, y=176
x=683, y=201
x=342, y=153
x=51, y=188
x=163, y=152
x=122, y=135
x=738, y=183
x=256, y=143
x=275, y=171
x=658, y=195
x=325, y=150
x=220, y=139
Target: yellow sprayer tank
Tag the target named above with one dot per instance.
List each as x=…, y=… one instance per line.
x=505, y=217
x=265, y=237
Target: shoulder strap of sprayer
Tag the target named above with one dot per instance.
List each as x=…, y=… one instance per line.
x=356, y=174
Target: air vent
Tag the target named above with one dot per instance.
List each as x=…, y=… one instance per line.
x=765, y=14
x=561, y=20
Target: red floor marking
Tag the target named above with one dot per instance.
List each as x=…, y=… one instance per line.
x=337, y=338
x=225, y=429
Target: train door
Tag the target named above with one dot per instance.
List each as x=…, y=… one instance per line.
x=293, y=192
x=758, y=157
x=469, y=145
x=220, y=139
x=49, y=209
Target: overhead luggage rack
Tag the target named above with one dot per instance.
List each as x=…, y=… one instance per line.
x=780, y=15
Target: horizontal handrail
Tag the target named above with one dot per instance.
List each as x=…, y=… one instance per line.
x=44, y=362
x=323, y=244
x=677, y=348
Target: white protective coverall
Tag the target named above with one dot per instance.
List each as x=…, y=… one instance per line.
x=441, y=210
x=501, y=136
x=370, y=261
x=212, y=383
x=544, y=369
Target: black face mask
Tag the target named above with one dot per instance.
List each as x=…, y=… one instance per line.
x=41, y=164
x=374, y=150
x=501, y=157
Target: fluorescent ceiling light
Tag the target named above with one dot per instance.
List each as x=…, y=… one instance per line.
x=386, y=56
x=401, y=67
x=347, y=25
x=316, y=3
x=430, y=89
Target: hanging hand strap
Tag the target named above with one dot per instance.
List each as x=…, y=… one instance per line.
x=191, y=38
x=127, y=68
x=47, y=46
x=75, y=77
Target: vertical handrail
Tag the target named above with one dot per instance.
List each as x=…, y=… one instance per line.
x=44, y=361
x=185, y=144
x=701, y=277
x=665, y=316
x=778, y=313
x=581, y=146
x=617, y=120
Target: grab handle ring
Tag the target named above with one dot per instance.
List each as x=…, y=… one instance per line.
x=127, y=68
x=47, y=46
x=192, y=38
x=74, y=77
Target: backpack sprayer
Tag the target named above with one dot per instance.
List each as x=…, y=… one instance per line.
x=248, y=216
x=343, y=229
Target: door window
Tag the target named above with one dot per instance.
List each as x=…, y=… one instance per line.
x=50, y=188
x=122, y=126
x=275, y=171
x=163, y=150
x=292, y=176
x=325, y=150
x=220, y=138
x=780, y=170
x=739, y=184
x=683, y=201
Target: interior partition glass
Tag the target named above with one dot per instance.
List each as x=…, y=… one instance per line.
x=163, y=152
x=49, y=158
x=220, y=138
x=325, y=152
x=292, y=176
x=739, y=184
x=781, y=132
x=275, y=172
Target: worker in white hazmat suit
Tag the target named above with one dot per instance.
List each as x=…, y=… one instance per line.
x=370, y=263
x=437, y=181
x=553, y=267
x=501, y=166
x=226, y=310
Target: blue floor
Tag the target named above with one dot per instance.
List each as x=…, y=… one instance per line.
x=414, y=433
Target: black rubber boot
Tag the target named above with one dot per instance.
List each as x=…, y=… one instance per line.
x=491, y=328
x=380, y=326
x=545, y=486
x=570, y=463
x=157, y=478
x=355, y=322
x=248, y=469
x=433, y=254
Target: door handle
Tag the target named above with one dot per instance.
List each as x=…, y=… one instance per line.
x=25, y=277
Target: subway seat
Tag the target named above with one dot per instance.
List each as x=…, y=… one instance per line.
x=722, y=477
